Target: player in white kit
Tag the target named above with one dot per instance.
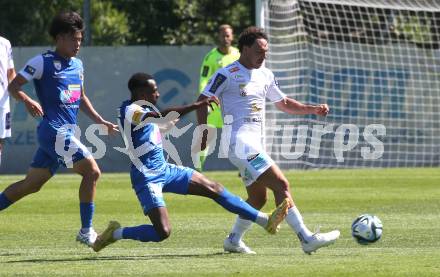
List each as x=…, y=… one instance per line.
x=242, y=88
x=7, y=73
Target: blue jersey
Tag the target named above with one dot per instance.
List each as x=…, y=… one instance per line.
x=59, y=84
x=146, y=140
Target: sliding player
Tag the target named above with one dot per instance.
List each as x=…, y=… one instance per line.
x=151, y=174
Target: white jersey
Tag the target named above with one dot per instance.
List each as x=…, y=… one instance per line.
x=242, y=93
x=6, y=63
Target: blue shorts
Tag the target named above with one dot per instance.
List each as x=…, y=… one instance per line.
x=149, y=189
x=47, y=156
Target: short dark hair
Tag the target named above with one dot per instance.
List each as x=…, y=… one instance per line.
x=249, y=36
x=65, y=23
x=224, y=27
x=138, y=81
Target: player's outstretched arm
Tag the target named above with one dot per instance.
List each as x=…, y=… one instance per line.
x=201, y=103
x=87, y=107
x=14, y=88
x=291, y=106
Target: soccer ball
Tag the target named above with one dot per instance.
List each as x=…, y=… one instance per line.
x=366, y=229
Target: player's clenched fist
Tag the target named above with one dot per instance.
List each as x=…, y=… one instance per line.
x=322, y=109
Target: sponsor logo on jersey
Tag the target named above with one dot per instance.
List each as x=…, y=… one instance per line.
x=219, y=79
x=239, y=78
x=8, y=121
x=255, y=107
x=71, y=94
x=252, y=119
x=243, y=91
x=29, y=70
x=234, y=69
x=205, y=71
x=57, y=64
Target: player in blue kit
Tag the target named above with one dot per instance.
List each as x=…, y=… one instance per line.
x=58, y=80
x=151, y=175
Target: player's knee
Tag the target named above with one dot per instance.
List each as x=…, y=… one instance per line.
x=93, y=174
x=164, y=232
x=213, y=189
x=282, y=185
x=217, y=188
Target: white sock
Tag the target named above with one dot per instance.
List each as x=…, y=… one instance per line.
x=117, y=234
x=262, y=219
x=240, y=227
x=295, y=221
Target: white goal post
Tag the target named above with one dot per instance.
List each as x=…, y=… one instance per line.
x=376, y=63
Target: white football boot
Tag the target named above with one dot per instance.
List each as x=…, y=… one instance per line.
x=240, y=247
x=318, y=240
x=87, y=238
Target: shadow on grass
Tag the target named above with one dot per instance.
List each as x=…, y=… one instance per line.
x=122, y=258
x=9, y=254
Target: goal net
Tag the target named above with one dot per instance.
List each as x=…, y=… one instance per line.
x=375, y=63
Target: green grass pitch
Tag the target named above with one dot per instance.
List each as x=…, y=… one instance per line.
x=37, y=235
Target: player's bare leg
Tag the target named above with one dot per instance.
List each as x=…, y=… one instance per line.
x=200, y=185
x=32, y=183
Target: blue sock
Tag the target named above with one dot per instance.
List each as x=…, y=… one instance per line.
x=86, y=211
x=4, y=201
x=236, y=205
x=142, y=233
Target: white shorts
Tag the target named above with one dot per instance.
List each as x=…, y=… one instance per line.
x=5, y=123
x=251, y=167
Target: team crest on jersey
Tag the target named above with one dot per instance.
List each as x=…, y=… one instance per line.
x=216, y=83
x=137, y=117
x=234, y=69
x=71, y=94
x=57, y=64
x=243, y=91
